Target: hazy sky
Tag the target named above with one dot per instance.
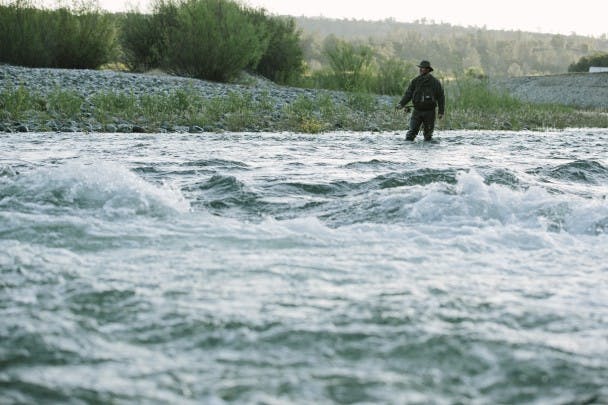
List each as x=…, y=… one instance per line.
x=552, y=16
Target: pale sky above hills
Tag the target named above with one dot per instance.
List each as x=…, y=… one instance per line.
x=551, y=16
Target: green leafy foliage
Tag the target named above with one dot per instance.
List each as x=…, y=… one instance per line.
x=22, y=35
x=212, y=39
x=472, y=93
x=452, y=49
x=82, y=37
x=282, y=60
x=64, y=104
x=598, y=59
x=350, y=65
x=142, y=40
x=392, y=76
x=207, y=39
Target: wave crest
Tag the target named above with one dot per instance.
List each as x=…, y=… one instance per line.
x=93, y=186
x=579, y=171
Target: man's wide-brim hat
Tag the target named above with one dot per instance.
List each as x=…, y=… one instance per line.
x=425, y=64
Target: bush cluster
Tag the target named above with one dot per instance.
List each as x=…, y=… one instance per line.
x=358, y=68
x=213, y=40
x=597, y=59
x=63, y=38
x=206, y=39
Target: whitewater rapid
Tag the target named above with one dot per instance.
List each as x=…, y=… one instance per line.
x=289, y=268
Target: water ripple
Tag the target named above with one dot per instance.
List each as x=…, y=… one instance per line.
x=295, y=268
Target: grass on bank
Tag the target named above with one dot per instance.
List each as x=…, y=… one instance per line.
x=185, y=107
x=471, y=104
x=474, y=104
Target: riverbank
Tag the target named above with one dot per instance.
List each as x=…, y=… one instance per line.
x=581, y=90
x=41, y=100
x=126, y=102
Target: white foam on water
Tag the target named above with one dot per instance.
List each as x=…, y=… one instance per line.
x=474, y=202
x=402, y=291
x=106, y=186
x=470, y=216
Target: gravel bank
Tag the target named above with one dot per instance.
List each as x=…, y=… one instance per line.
x=89, y=82
x=580, y=90
x=585, y=90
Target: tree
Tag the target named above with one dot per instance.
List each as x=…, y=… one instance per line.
x=584, y=63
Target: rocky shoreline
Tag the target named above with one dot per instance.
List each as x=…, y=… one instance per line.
x=582, y=90
x=86, y=83
x=588, y=91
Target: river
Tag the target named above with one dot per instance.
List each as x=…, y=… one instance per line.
x=290, y=268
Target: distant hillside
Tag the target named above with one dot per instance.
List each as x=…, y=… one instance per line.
x=453, y=49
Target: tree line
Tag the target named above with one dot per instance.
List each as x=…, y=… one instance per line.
x=456, y=50
x=217, y=39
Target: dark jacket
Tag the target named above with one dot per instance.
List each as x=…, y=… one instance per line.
x=426, y=93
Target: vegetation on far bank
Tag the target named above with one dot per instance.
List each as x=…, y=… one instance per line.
x=453, y=49
x=205, y=39
x=212, y=40
x=472, y=105
x=598, y=59
x=81, y=37
x=216, y=39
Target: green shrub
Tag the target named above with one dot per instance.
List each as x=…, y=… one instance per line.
x=350, y=64
x=364, y=102
x=303, y=115
x=393, y=76
x=22, y=35
x=355, y=69
x=85, y=40
x=470, y=93
x=282, y=60
x=319, y=79
x=584, y=63
x=81, y=38
x=109, y=105
x=212, y=39
x=141, y=40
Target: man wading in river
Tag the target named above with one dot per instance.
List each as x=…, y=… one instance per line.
x=426, y=93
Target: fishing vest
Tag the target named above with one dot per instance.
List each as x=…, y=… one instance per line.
x=423, y=97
